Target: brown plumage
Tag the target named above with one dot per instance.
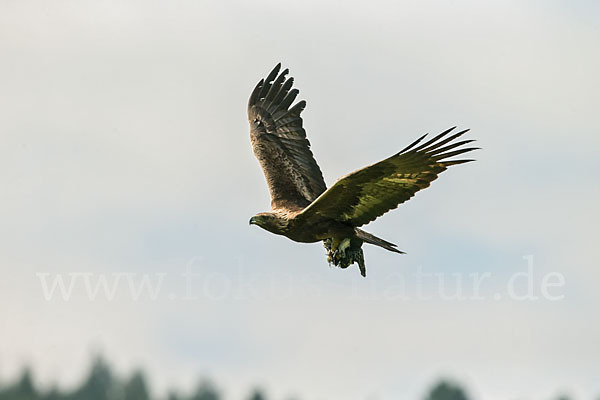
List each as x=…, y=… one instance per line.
x=302, y=208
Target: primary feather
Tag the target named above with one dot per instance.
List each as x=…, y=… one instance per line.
x=364, y=195
x=280, y=144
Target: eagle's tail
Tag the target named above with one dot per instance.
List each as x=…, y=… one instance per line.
x=372, y=239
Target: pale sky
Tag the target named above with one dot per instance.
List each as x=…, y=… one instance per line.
x=124, y=149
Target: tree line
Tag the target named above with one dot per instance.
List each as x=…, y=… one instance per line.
x=102, y=384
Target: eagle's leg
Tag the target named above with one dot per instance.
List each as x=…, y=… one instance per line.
x=332, y=245
x=341, y=250
x=343, y=253
x=337, y=253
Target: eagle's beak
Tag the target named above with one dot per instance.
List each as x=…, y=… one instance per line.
x=252, y=221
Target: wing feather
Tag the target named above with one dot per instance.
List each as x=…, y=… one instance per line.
x=364, y=195
x=280, y=144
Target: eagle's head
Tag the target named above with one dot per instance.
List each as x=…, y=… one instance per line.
x=272, y=222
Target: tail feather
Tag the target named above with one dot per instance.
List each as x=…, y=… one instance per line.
x=372, y=239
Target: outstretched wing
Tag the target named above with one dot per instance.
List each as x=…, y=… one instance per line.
x=280, y=144
x=364, y=195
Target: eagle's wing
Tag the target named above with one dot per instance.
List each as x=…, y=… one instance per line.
x=364, y=195
x=280, y=144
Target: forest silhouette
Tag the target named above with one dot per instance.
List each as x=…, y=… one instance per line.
x=101, y=383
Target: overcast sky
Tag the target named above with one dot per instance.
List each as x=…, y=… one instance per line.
x=124, y=150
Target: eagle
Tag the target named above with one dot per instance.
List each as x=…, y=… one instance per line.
x=302, y=207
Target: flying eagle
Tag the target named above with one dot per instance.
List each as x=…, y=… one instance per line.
x=302, y=207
